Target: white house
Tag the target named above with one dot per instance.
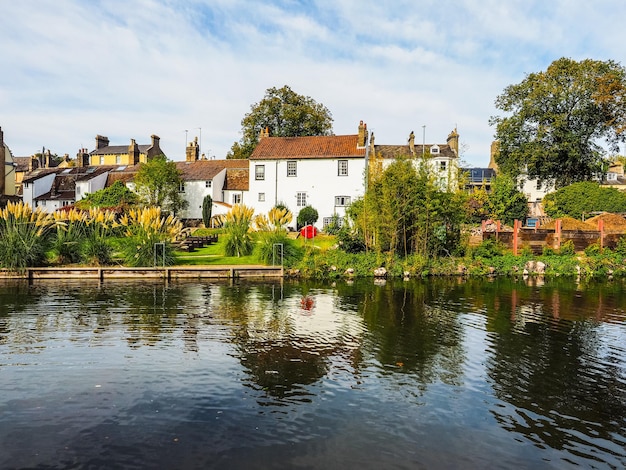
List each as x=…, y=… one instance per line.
x=325, y=172
x=224, y=180
x=55, y=188
x=442, y=159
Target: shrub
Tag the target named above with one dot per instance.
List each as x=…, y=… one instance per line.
x=237, y=226
x=488, y=249
x=24, y=235
x=307, y=216
x=567, y=248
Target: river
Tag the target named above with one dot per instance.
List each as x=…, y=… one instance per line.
x=432, y=374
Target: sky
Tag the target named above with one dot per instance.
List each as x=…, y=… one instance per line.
x=127, y=69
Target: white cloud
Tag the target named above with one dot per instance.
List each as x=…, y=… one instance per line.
x=128, y=69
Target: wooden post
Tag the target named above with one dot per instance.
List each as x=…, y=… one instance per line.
x=516, y=225
x=557, y=233
x=601, y=230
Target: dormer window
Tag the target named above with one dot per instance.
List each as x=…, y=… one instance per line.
x=434, y=150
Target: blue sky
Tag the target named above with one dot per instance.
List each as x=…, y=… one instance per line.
x=126, y=69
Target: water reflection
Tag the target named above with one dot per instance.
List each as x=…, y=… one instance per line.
x=294, y=367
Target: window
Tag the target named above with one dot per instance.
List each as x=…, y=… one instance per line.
x=208, y=184
x=332, y=221
x=442, y=166
x=259, y=172
x=292, y=168
x=101, y=159
x=181, y=187
x=300, y=199
x=538, y=185
x=342, y=201
x=342, y=167
x=434, y=150
x=118, y=159
x=261, y=197
x=236, y=198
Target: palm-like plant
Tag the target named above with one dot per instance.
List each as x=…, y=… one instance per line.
x=237, y=225
x=23, y=236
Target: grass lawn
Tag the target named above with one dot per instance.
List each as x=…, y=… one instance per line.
x=214, y=254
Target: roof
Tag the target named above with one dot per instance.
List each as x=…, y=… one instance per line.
x=119, y=149
x=205, y=170
x=236, y=179
x=22, y=163
x=394, y=151
x=312, y=147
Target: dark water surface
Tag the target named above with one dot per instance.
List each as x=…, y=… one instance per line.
x=442, y=374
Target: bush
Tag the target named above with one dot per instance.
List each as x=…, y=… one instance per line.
x=489, y=248
x=266, y=252
x=350, y=241
x=567, y=248
x=307, y=216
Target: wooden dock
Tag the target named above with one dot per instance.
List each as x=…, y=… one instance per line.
x=168, y=272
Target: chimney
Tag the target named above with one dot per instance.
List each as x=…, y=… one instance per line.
x=362, y=138
x=82, y=158
x=101, y=142
x=453, y=141
x=155, y=140
x=264, y=133
x=192, y=151
x=412, y=143
x=495, y=149
x=133, y=152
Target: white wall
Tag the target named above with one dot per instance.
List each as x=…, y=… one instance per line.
x=36, y=188
x=317, y=178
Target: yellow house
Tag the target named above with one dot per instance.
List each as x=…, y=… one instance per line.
x=7, y=174
x=132, y=154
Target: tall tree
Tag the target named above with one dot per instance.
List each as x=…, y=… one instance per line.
x=559, y=119
x=505, y=202
x=159, y=183
x=284, y=113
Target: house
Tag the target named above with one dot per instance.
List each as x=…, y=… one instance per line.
x=132, y=154
x=226, y=181
x=7, y=172
x=325, y=172
x=55, y=188
x=442, y=159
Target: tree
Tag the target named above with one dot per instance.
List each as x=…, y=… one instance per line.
x=284, y=113
x=559, y=119
x=307, y=216
x=207, y=209
x=158, y=183
x=505, y=202
x=583, y=198
x=115, y=195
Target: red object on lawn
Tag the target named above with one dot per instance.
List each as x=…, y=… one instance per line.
x=308, y=231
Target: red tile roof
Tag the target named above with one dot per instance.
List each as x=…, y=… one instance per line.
x=207, y=169
x=324, y=146
x=236, y=179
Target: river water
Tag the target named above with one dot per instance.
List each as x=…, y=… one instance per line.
x=437, y=374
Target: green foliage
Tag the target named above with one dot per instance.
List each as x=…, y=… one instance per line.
x=158, y=183
x=350, y=240
x=593, y=250
x=404, y=212
x=284, y=113
x=334, y=227
x=558, y=118
x=488, y=249
x=478, y=205
x=267, y=252
x=582, y=198
x=237, y=228
x=567, y=248
x=307, y=216
x=207, y=209
x=24, y=236
x=505, y=202
x=115, y=195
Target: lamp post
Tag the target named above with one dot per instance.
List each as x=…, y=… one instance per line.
x=186, y=141
x=423, y=140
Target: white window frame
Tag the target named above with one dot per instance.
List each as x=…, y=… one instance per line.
x=301, y=199
x=292, y=168
x=259, y=172
x=236, y=198
x=261, y=197
x=342, y=201
x=208, y=183
x=181, y=187
x=342, y=167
